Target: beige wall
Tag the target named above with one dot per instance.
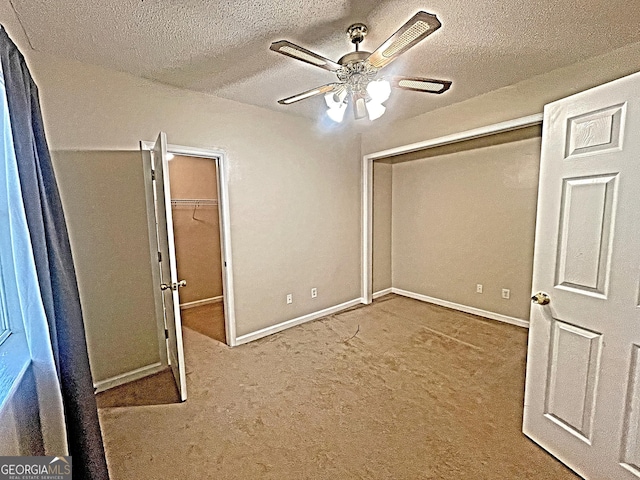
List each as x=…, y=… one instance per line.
x=103, y=196
x=294, y=188
x=196, y=228
x=382, y=187
x=279, y=246
x=524, y=98
x=465, y=218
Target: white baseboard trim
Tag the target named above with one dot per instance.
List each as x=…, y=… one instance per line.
x=249, y=337
x=199, y=303
x=463, y=308
x=127, y=377
x=382, y=293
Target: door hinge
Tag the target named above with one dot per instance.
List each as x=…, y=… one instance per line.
x=166, y=334
x=159, y=257
x=153, y=174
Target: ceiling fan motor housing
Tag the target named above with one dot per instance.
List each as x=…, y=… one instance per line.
x=353, y=57
x=357, y=32
x=357, y=74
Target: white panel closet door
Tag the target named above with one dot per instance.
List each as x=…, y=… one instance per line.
x=168, y=268
x=582, y=395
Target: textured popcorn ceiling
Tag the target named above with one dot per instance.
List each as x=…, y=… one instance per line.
x=222, y=47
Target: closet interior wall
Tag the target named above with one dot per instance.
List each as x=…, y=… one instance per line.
x=196, y=227
x=453, y=217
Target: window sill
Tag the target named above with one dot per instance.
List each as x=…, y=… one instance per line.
x=14, y=361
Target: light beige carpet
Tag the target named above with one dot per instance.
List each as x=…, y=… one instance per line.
x=207, y=320
x=420, y=392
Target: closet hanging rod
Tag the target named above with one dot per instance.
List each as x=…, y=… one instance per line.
x=194, y=201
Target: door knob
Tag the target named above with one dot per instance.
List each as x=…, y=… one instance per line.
x=540, y=298
x=173, y=286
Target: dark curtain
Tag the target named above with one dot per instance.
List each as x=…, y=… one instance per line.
x=54, y=265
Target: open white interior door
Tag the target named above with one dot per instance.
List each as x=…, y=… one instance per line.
x=168, y=271
x=582, y=400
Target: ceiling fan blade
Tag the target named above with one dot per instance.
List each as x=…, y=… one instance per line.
x=294, y=51
x=421, y=25
x=308, y=94
x=418, y=84
x=359, y=105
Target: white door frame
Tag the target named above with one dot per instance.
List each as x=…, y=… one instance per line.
x=367, y=182
x=220, y=158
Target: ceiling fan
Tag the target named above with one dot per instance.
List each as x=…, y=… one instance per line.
x=359, y=82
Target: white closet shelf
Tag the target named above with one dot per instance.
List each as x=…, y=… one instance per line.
x=198, y=202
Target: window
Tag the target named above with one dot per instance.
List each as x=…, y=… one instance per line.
x=15, y=356
x=14, y=351
x=4, y=316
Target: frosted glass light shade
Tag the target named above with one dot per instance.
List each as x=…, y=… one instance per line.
x=379, y=91
x=375, y=110
x=337, y=113
x=335, y=99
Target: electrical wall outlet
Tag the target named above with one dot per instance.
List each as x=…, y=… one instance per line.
x=479, y=288
x=506, y=293
x=289, y=299
x=314, y=292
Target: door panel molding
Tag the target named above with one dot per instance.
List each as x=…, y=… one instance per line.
x=574, y=362
x=585, y=234
x=595, y=132
x=630, y=455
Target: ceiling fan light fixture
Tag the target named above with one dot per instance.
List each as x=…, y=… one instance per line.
x=379, y=90
x=336, y=98
x=337, y=113
x=359, y=106
x=375, y=110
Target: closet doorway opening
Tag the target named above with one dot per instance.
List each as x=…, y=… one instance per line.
x=196, y=229
x=200, y=219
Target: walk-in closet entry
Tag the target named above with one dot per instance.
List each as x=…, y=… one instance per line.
x=196, y=226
